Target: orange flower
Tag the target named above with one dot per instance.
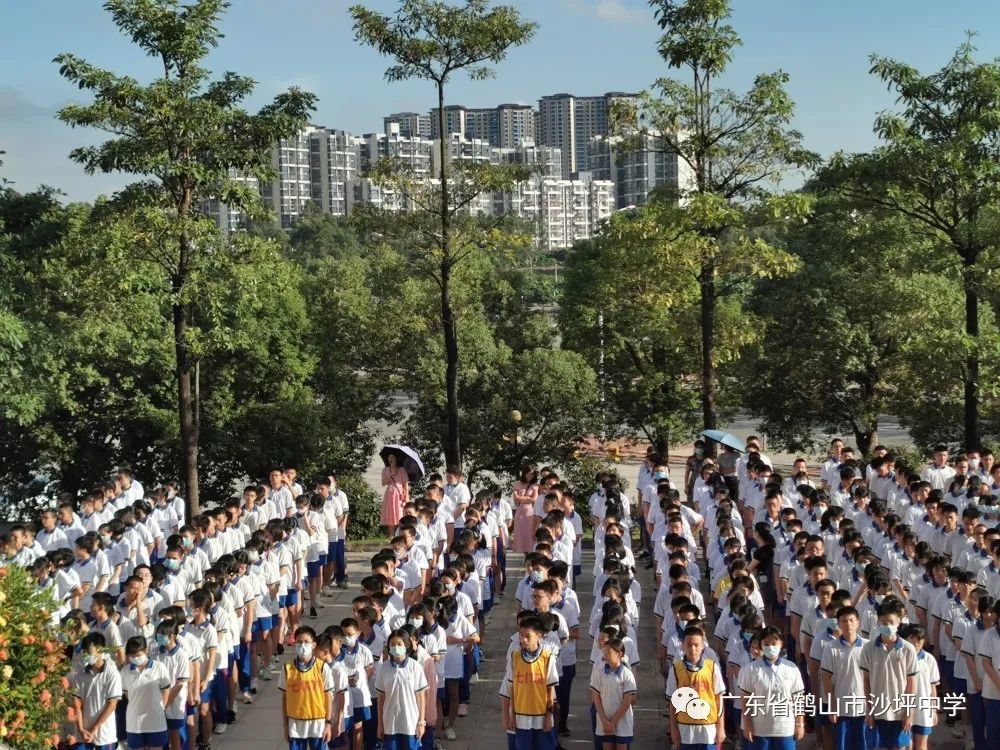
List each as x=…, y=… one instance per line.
x=3, y=652
x=45, y=698
x=28, y=640
x=65, y=683
x=39, y=678
x=71, y=714
x=54, y=739
x=49, y=646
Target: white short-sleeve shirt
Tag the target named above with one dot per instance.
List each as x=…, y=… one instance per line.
x=145, y=712
x=841, y=661
x=95, y=689
x=613, y=685
x=782, y=682
x=928, y=675
x=400, y=683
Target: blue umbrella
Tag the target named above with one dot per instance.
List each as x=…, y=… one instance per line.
x=405, y=457
x=727, y=439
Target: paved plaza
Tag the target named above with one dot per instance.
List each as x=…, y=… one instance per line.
x=259, y=728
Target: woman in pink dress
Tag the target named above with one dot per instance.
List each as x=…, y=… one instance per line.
x=397, y=493
x=525, y=492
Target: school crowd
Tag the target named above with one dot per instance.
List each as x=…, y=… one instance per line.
x=853, y=608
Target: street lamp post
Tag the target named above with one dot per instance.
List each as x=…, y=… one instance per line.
x=515, y=417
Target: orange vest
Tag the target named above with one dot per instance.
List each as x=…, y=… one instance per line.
x=305, y=692
x=529, y=693
x=703, y=681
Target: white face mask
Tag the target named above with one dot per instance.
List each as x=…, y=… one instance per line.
x=350, y=640
x=139, y=660
x=417, y=622
x=771, y=651
x=397, y=652
x=304, y=651
x=887, y=631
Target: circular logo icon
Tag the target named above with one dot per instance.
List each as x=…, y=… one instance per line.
x=681, y=697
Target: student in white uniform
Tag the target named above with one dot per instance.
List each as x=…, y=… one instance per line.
x=614, y=690
x=773, y=679
x=98, y=687
x=146, y=684
x=399, y=687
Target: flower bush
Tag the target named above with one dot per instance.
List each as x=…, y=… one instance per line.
x=34, y=689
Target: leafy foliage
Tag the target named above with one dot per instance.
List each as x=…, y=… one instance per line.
x=433, y=41
x=34, y=690
x=939, y=166
x=845, y=339
x=188, y=137
x=735, y=148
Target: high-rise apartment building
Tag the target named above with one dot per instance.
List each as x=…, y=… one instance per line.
x=288, y=194
x=461, y=149
x=455, y=120
x=410, y=124
x=413, y=151
x=569, y=122
x=562, y=211
x=546, y=160
x=334, y=161
x=637, y=167
x=515, y=124
x=557, y=127
x=483, y=125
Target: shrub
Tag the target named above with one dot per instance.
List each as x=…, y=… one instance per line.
x=34, y=689
x=366, y=508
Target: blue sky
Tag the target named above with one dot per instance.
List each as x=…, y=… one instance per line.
x=583, y=46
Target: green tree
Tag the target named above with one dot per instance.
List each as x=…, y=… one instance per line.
x=186, y=135
x=635, y=327
x=853, y=334
x=939, y=166
x=434, y=41
x=735, y=147
x=511, y=365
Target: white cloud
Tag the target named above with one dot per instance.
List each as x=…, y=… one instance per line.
x=612, y=11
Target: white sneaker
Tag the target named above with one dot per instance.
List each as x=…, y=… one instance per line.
x=473, y=678
x=220, y=729
x=449, y=734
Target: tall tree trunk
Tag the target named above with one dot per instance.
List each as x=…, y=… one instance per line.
x=185, y=391
x=708, y=301
x=866, y=439
x=971, y=395
x=452, y=445
x=185, y=413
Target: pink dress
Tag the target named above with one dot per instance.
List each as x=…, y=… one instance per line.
x=395, y=495
x=524, y=515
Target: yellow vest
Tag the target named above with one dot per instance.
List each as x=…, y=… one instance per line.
x=703, y=681
x=305, y=692
x=530, y=693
